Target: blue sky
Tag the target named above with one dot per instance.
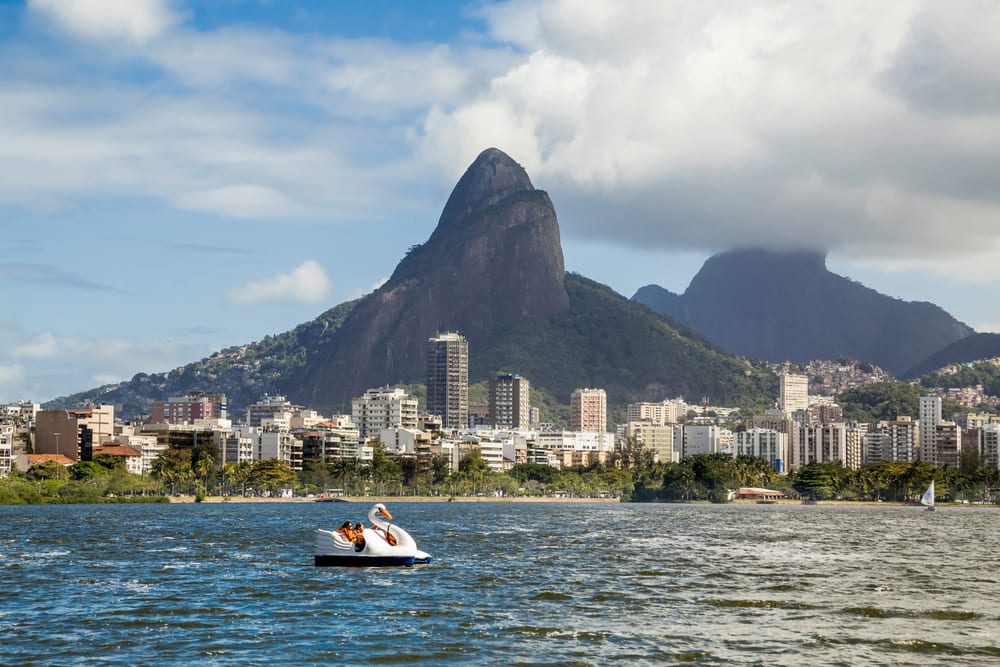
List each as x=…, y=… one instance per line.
x=177, y=177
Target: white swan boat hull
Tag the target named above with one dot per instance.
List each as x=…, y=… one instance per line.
x=333, y=549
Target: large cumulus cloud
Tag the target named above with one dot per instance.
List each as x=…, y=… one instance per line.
x=870, y=129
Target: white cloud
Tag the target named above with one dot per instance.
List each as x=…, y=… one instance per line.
x=43, y=346
x=11, y=375
x=50, y=346
x=307, y=283
x=710, y=125
x=241, y=201
x=360, y=292
x=695, y=126
x=43, y=365
x=134, y=20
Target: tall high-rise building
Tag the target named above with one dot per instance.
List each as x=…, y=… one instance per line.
x=989, y=445
x=947, y=445
x=510, y=402
x=448, y=379
x=588, y=410
x=903, y=439
x=930, y=417
x=793, y=392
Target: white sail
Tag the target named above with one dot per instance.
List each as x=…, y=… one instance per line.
x=928, y=497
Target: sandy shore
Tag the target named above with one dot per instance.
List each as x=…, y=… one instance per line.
x=393, y=499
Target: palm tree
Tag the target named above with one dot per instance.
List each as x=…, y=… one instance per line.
x=203, y=467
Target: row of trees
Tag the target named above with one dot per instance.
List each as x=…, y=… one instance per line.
x=194, y=472
x=712, y=476
x=630, y=473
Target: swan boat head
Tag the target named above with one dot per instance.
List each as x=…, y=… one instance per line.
x=377, y=515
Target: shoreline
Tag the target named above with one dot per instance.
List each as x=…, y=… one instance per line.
x=394, y=499
x=546, y=499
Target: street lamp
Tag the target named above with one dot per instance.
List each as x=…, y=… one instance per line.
x=57, y=443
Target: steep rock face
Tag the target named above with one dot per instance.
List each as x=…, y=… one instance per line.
x=660, y=300
x=971, y=348
x=788, y=306
x=495, y=256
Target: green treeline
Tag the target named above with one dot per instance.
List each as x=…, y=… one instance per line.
x=194, y=472
x=887, y=401
x=986, y=374
x=629, y=474
x=99, y=481
x=712, y=476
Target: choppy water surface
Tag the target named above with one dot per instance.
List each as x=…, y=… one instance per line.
x=511, y=583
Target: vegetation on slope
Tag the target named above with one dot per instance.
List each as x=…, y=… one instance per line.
x=985, y=373
x=243, y=373
x=604, y=340
x=887, y=401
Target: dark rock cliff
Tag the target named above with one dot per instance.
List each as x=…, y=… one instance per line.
x=788, y=306
x=971, y=348
x=493, y=270
x=495, y=256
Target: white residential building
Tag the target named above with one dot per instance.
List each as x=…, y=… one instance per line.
x=233, y=448
x=383, y=408
x=267, y=445
x=6, y=448
x=22, y=410
x=766, y=443
x=793, y=392
x=824, y=443
x=701, y=439
x=147, y=445
x=903, y=439
x=989, y=445
x=267, y=407
x=403, y=440
x=580, y=440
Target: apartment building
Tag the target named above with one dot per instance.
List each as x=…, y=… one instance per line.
x=382, y=408
x=588, y=410
x=448, y=379
x=510, y=402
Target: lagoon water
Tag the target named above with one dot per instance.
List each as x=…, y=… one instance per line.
x=511, y=583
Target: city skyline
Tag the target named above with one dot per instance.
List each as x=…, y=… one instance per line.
x=180, y=177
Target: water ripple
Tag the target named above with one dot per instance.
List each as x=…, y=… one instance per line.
x=511, y=583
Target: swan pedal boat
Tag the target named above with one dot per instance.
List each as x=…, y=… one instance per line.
x=332, y=548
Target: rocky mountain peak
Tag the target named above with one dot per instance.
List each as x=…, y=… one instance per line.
x=492, y=177
x=787, y=305
x=493, y=259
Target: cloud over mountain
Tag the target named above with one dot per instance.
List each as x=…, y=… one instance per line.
x=839, y=125
x=306, y=283
x=136, y=20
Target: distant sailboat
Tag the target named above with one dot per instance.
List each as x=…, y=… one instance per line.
x=928, y=497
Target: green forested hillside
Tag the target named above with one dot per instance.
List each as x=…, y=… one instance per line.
x=605, y=340
x=243, y=373
x=887, y=400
